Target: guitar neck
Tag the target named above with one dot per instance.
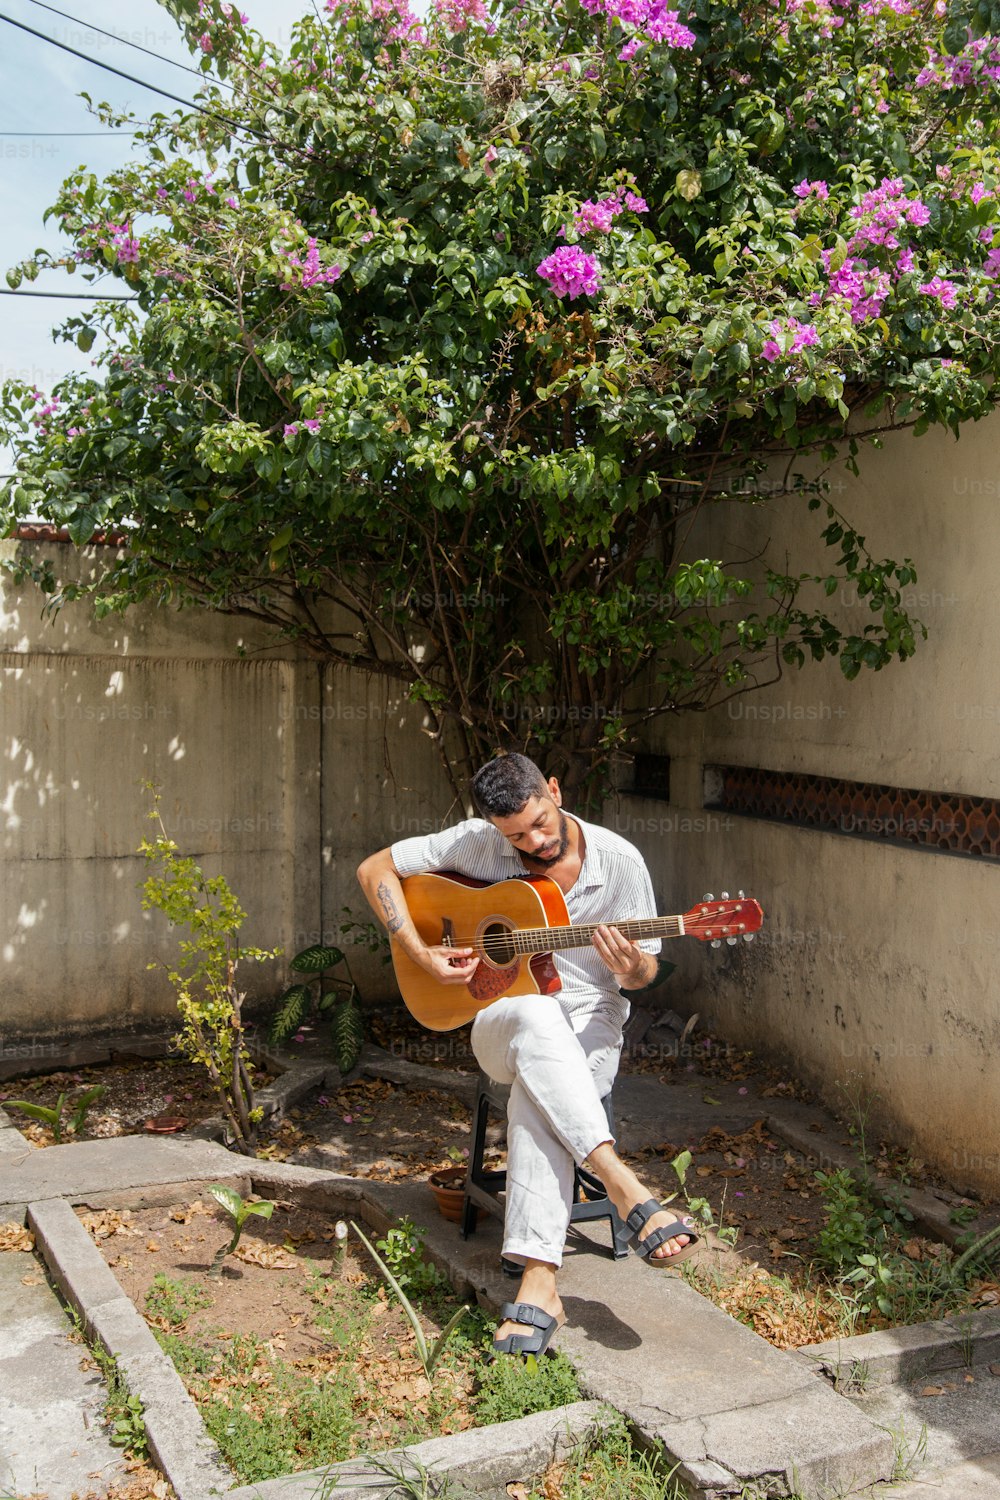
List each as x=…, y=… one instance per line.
x=530, y=940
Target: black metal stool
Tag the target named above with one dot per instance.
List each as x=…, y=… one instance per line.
x=482, y=1187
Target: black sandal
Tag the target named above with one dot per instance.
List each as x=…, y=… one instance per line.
x=637, y=1221
x=544, y=1324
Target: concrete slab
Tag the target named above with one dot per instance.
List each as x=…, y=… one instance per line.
x=935, y=1431
x=174, y=1429
x=52, y=1435
x=977, y=1480
x=480, y=1462
x=892, y=1355
x=122, y=1172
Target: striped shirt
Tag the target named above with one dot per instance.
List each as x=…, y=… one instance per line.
x=613, y=886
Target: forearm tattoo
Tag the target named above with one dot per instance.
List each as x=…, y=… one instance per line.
x=394, y=919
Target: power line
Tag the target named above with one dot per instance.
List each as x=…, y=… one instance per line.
x=131, y=78
x=122, y=40
x=6, y=291
x=107, y=134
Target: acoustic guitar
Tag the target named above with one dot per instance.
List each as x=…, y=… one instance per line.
x=515, y=926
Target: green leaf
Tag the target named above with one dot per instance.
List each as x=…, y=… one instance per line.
x=313, y=960
x=702, y=364
x=228, y=1197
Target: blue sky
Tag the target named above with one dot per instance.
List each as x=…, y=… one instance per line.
x=41, y=89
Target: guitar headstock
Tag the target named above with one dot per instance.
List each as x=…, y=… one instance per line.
x=727, y=920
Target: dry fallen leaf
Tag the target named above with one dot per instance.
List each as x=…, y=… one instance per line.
x=31, y=1280
x=270, y=1256
x=16, y=1237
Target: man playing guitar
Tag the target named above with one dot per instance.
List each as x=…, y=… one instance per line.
x=559, y=1052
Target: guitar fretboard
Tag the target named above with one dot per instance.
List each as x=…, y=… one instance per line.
x=529, y=940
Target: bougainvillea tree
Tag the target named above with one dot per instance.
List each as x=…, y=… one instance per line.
x=449, y=325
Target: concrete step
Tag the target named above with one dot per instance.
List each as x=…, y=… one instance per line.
x=978, y=1479
x=955, y=1422
x=53, y=1441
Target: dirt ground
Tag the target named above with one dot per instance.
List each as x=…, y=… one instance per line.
x=373, y=1128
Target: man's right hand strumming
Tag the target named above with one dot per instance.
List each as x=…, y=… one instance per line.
x=447, y=965
x=380, y=883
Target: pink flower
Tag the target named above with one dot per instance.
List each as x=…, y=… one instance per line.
x=940, y=288
x=491, y=155
x=291, y=429
x=456, y=14
x=806, y=189
x=205, y=42
x=979, y=192
x=991, y=266
x=312, y=272
x=311, y=424
x=570, y=272
x=651, y=19
x=771, y=351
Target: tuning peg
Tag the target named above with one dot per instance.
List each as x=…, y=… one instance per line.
x=748, y=937
x=708, y=896
x=724, y=895
x=742, y=895
x=716, y=942
x=731, y=941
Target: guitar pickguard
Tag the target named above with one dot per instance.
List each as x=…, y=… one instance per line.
x=488, y=983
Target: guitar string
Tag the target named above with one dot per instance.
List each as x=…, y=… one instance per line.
x=526, y=941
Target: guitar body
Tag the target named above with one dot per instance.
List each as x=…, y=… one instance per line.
x=513, y=926
x=466, y=913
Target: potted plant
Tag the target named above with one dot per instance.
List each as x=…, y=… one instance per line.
x=448, y=1185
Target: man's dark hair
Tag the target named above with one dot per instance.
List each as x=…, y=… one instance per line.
x=504, y=785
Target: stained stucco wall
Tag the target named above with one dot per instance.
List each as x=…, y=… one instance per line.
x=879, y=970
x=273, y=770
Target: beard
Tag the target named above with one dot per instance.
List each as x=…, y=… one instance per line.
x=545, y=860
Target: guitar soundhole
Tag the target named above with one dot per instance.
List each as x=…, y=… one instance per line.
x=497, y=944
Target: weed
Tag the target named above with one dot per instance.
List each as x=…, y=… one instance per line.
x=188, y=1358
x=402, y=1250
x=514, y=1388
x=907, y=1457
x=411, y=1479
x=963, y=1214
x=612, y=1466
x=700, y=1208
x=428, y=1356
x=172, y=1302
x=123, y=1411
x=268, y=1420
x=52, y=1116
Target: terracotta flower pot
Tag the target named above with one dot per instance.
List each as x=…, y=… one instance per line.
x=448, y=1187
x=166, y=1124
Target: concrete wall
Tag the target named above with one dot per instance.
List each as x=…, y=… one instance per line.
x=877, y=972
x=261, y=758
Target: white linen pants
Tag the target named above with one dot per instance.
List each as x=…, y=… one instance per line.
x=559, y=1067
